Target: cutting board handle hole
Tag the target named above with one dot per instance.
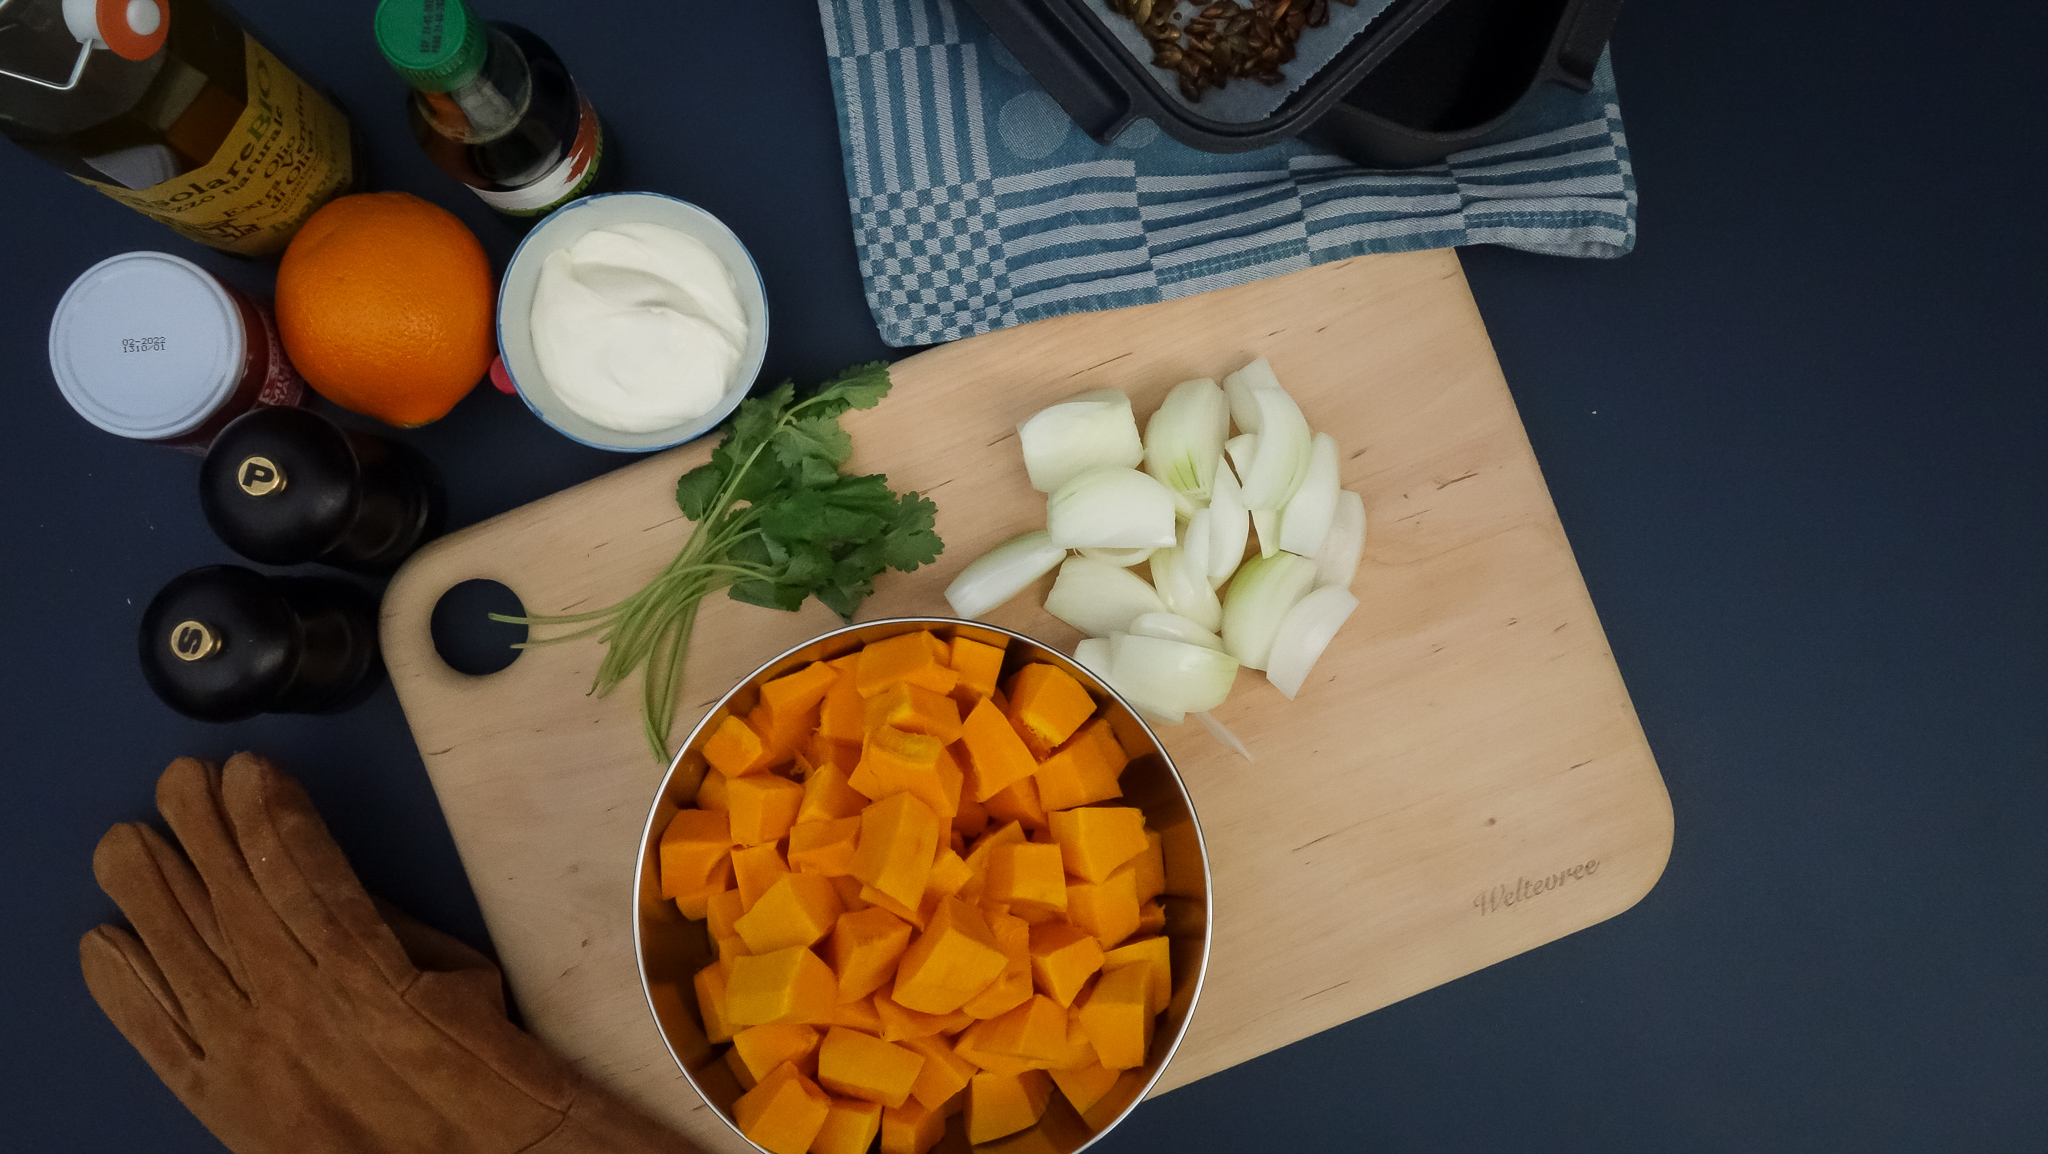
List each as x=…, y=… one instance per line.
x=464, y=634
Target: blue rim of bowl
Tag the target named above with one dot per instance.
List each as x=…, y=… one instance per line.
x=498, y=317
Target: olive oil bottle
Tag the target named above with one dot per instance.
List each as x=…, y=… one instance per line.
x=176, y=110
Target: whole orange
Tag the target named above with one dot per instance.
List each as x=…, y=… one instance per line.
x=385, y=305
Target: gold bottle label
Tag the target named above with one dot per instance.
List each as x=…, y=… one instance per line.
x=287, y=155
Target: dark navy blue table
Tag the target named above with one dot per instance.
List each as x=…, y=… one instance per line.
x=1799, y=440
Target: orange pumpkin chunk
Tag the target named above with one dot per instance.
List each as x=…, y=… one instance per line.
x=735, y=750
x=756, y=867
x=722, y=911
x=784, y=1113
x=1107, y=909
x=850, y=1127
x=858, y=1066
x=1063, y=958
x=843, y=713
x=1019, y=802
x=1012, y=987
x=943, y=1074
x=1084, y=1086
x=692, y=844
x=1095, y=840
x=790, y=985
x=954, y=959
x=911, y=1128
x=1153, y=952
x=898, y=837
x=997, y=755
x=824, y=848
x=795, y=911
x=865, y=947
x=860, y=1014
x=1027, y=875
x=1046, y=700
x=697, y=903
x=906, y=656
x=1035, y=1030
x=1114, y=1014
x=901, y=1025
x=762, y=1048
x=1084, y=770
x=799, y=691
x=914, y=709
x=711, y=990
x=761, y=807
x=894, y=761
x=1000, y=1104
x=828, y=796
x=977, y=665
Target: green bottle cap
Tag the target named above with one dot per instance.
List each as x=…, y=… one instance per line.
x=437, y=45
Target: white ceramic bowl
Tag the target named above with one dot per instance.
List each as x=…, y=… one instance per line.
x=564, y=227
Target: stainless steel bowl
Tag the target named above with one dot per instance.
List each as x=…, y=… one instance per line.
x=671, y=948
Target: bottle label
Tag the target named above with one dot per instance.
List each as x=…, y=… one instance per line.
x=287, y=155
x=563, y=183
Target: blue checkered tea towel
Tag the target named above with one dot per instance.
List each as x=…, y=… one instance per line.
x=978, y=205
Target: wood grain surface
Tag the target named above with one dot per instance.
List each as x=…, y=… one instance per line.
x=1463, y=777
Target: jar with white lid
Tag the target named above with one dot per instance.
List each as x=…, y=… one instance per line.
x=151, y=346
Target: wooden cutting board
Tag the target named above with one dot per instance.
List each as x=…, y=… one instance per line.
x=1462, y=779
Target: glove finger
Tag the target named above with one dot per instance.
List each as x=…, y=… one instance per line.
x=189, y=797
x=131, y=862
x=125, y=981
x=429, y=948
x=307, y=879
x=191, y=895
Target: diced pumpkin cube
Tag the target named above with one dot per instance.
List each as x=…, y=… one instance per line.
x=865, y=947
x=1108, y=909
x=851, y=1126
x=740, y=1073
x=997, y=756
x=789, y=985
x=694, y=841
x=977, y=665
x=795, y=911
x=722, y=911
x=1095, y=840
x=1046, y=700
x=799, y=691
x=971, y=1046
x=1063, y=958
x=711, y=792
x=1150, y=867
x=784, y=1113
x=1084, y=770
x=1027, y=875
x=824, y=848
x=822, y=751
x=911, y=1128
x=849, y=888
x=955, y=958
x=858, y=1015
x=895, y=762
x=762, y=1048
x=977, y=859
x=755, y=868
x=1153, y=952
x=735, y=750
x=1116, y=1015
x=894, y=659
x=898, y=837
x=1151, y=918
x=901, y=1025
x=828, y=797
x=949, y=874
x=1000, y=1104
x=1019, y=802
x=972, y=820
x=1012, y=987
x=1036, y=1031
x=762, y=807
x=943, y=1074
x=711, y=989
x=917, y=916
x=952, y=784
x=914, y=709
x=859, y=1066
x=730, y=946
x=1080, y=1051
x=696, y=903
x=843, y=713
x=1084, y=1086
x=783, y=734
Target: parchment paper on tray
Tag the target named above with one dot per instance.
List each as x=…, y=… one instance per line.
x=1245, y=100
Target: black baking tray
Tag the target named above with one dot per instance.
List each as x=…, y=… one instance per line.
x=1425, y=79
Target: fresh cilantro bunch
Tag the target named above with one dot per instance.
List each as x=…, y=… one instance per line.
x=776, y=522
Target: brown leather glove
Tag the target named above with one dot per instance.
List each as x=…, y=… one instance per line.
x=294, y=1017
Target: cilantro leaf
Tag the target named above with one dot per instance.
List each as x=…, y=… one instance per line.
x=813, y=438
x=697, y=489
x=911, y=540
x=860, y=387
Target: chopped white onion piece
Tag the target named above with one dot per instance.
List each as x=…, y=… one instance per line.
x=1099, y=598
x=1264, y=589
x=1221, y=732
x=1305, y=632
x=1238, y=388
x=1103, y=650
x=1121, y=558
x=1173, y=627
x=1306, y=520
x=1194, y=541
x=1229, y=527
x=1282, y=461
x=1172, y=675
x=1337, y=560
x=1083, y=432
x=1093, y=654
x=1002, y=573
x=1111, y=508
x=1184, y=439
x=1244, y=448
x=1183, y=583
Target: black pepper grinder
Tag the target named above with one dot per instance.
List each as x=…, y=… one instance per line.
x=284, y=485
x=224, y=643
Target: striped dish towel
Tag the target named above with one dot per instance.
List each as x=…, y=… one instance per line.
x=978, y=205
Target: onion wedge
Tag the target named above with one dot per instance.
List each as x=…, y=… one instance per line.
x=1099, y=655
x=1111, y=508
x=1258, y=601
x=1092, y=654
x=1230, y=527
x=1173, y=675
x=1244, y=448
x=1303, y=635
x=1184, y=439
x=1087, y=431
x=1306, y=520
x=1098, y=598
x=1337, y=560
x=1238, y=388
x=1282, y=460
x=1121, y=558
x=1002, y=573
x=1183, y=583
x=1173, y=627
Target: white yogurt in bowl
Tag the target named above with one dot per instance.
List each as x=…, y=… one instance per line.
x=631, y=321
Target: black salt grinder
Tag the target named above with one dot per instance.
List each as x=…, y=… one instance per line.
x=224, y=643
x=285, y=485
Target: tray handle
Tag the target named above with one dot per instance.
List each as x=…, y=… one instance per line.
x=1064, y=67
x=1581, y=38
